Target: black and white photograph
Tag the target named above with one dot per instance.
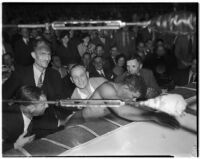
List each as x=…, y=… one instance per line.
x=100, y=79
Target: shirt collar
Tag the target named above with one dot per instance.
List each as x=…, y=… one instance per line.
x=83, y=95
x=37, y=74
x=26, y=121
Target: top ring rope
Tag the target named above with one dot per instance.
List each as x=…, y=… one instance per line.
x=175, y=22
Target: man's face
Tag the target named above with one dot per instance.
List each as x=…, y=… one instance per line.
x=65, y=39
x=160, y=51
x=86, y=39
x=98, y=63
x=121, y=61
x=7, y=60
x=114, y=51
x=40, y=108
x=86, y=60
x=25, y=33
x=42, y=55
x=79, y=77
x=56, y=61
x=141, y=47
x=133, y=66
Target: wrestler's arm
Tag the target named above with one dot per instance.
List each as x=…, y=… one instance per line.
x=96, y=112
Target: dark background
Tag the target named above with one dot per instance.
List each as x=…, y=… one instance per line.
x=16, y=13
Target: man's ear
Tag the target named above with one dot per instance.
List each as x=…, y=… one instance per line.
x=141, y=66
x=71, y=79
x=87, y=73
x=33, y=54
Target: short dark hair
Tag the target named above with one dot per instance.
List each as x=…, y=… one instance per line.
x=86, y=53
x=136, y=84
x=120, y=56
x=36, y=42
x=28, y=94
x=136, y=57
x=94, y=58
x=64, y=33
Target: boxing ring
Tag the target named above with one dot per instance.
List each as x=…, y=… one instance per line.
x=113, y=136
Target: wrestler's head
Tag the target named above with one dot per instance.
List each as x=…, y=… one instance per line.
x=79, y=76
x=133, y=87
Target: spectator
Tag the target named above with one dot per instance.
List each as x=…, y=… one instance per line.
x=85, y=86
x=86, y=60
x=98, y=69
x=8, y=66
x=104, y=40
x=134, y=66
x=23, y=48
x=20, y=122
x=57, y=65
x=113, y=53
x=119, y=68
x=86, y=45
x=38, y=74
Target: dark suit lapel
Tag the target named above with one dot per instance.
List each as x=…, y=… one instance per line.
x=31, y=76
x=45, y=82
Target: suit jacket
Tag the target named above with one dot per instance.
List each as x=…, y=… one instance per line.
x=52, y=84
x=22, y=53
x=108, y=74
x=148, y=77
x=95, y=82
x=13, y=125
x=52, y=87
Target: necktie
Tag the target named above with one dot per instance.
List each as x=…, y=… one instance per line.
x=40, y=82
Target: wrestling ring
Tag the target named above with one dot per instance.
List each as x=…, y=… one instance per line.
x=113, y=136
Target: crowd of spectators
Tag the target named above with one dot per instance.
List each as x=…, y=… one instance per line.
x=99, y=50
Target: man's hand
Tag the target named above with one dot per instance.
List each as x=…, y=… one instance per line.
x=21, y=141
x=166, y=120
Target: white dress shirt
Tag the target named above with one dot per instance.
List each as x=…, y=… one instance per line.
x=37, y=74
x=27, y=121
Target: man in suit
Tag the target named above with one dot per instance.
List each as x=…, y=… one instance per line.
x=23, y=48
x=134, y=66
x=99, y=71
x=20, y=126
x=103, y=40
x=85, y=86
x=40, y=75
